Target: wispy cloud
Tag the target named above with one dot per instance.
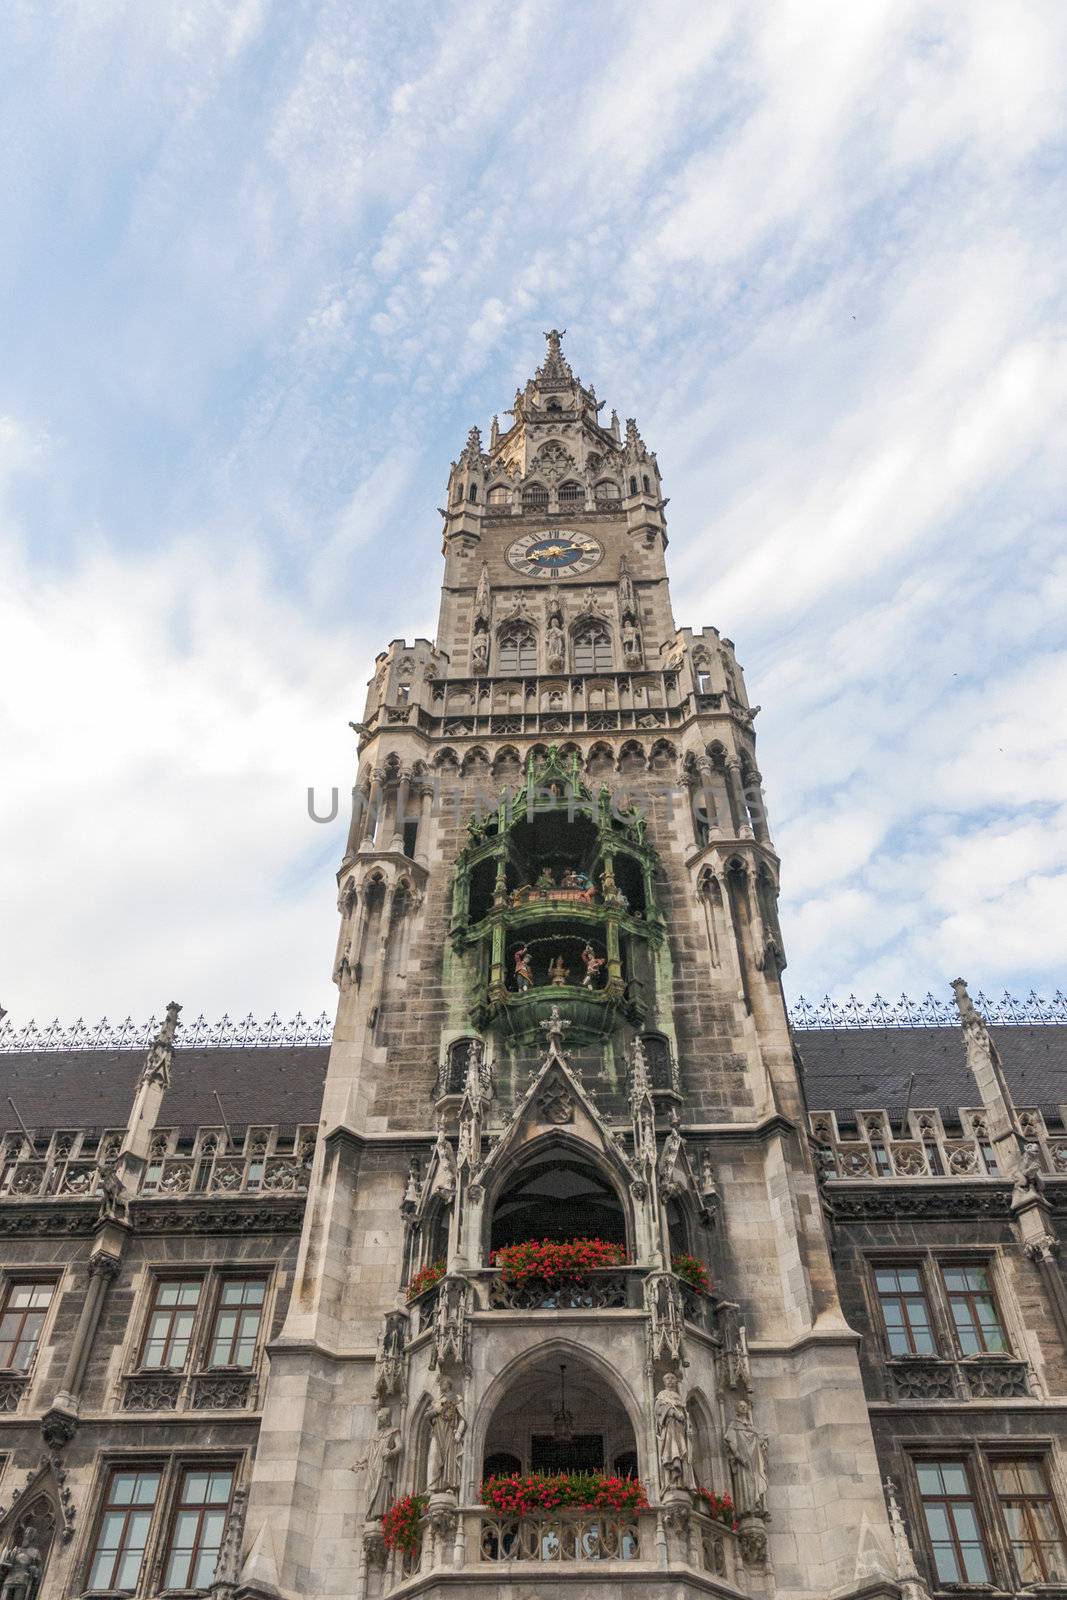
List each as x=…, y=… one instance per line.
x=264, y=266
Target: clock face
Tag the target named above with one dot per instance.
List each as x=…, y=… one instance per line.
x=557, y=553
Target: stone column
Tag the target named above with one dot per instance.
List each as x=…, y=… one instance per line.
x=61, y=1419
x=422, y=835
x=735, y=789
x=400, y=816
x=356, y=824
x=374, y=801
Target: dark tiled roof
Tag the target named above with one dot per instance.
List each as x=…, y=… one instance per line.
x=94, y=1088
x=847, y=1069
x=844, y=1070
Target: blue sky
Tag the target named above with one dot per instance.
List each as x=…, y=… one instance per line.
x=262, y=266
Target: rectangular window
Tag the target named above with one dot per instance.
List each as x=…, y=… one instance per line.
x=197, y=1527
x=170, y=1323
x=905, y=1311
x=974, y=1310
x=1032, y=1521
x=21, y=1320
x=238, y=1314
x=952, y=1522
x=122, y=1533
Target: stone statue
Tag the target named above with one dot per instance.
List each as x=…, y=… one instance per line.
x=747, y=1451
x=556, y=647
x=627, y=598
x=381, y=1466
x=631, y=644
x=447, y=1427
x=21, y=1568
x=672, y=1433
x=480, y=655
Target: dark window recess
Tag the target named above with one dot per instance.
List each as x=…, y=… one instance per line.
x=974, y=1310
x=24, y=1309
x=1032, y=1521
x=198, y=1526
x=237, y=1318
x=583, y=1453
x=905, y=1311
x=625, y=1465
x=952, y=1522
x=500, y=1464
x=122, y=1532
x=170, y=1323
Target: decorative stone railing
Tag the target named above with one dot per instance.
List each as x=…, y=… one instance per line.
x=562, y=1535
x=907, y=1158
x=221, y=1390
x=13, y=1386
x=239, y=1174
x=454, y=1542
x=599, y=1289
x=971, y=1378
x=28, y=1178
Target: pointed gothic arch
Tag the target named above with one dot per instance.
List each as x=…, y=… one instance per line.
x=539, y=1366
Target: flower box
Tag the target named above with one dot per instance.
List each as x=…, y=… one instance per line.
x=401, y=1525
x=554, y=1260
x=523, y=1494
x=719, y=1506
x=425, y=1279
x=692, y=1272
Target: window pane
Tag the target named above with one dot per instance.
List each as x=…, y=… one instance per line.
x=178, y=1570
x=947, y=1566
x=975, y=1563
x=929, y=1474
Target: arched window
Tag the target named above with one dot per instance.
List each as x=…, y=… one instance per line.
x=571, y=494
x=535, y=497
x=472, y=492
x=498, y=496
x=517, y=651
x=633, y=485
x=644, y=480
x=606, y=490
x=592, y=649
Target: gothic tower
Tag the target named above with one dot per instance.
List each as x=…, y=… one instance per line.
x=560, y=1018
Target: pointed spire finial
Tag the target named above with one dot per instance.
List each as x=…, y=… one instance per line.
x=160, y=1053
x=554, y=1028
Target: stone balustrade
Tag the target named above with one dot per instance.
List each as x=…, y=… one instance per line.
x=455, y=1542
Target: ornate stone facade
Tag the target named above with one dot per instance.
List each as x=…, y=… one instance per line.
x=256, y=1295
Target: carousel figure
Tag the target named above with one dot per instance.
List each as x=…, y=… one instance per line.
x=593, y=964
x=558, y=972
x=523, y=970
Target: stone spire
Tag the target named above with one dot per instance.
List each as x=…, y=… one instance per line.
x=555, y=368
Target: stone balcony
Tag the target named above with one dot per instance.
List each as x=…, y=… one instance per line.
x=650, y=1553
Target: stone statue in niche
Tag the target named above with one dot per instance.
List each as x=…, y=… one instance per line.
x=747, y=1452
x=21, y=1568
x=480, y=654
x=672, y=1433
x=447, y=1428
x=631, y=645
x=381, y=1466
x=555, y=647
